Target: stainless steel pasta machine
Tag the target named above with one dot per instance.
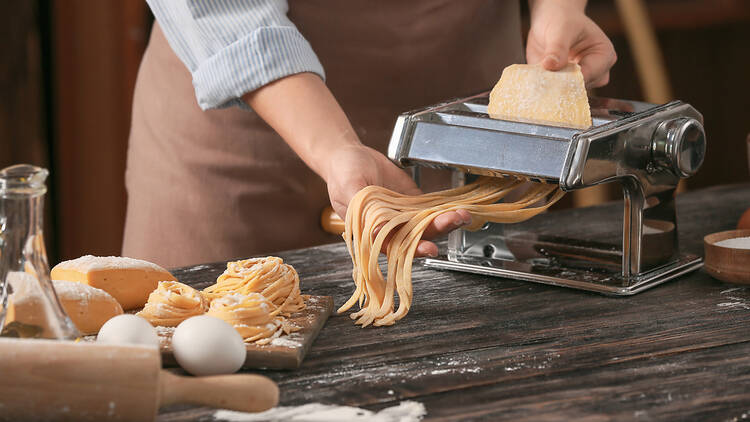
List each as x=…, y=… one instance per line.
x=647, y=148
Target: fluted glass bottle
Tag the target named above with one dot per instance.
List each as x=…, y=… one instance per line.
x=29, y=306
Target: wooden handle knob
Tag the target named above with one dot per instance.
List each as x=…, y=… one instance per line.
x=241, y=392
x=331, y=222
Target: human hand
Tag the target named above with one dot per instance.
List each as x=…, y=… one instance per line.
x=354, y=167
x=561, y=32
x=319, y=132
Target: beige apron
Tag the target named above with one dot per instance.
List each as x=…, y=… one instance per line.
x=221, y=184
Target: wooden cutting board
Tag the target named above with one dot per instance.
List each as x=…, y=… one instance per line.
x=285, y=352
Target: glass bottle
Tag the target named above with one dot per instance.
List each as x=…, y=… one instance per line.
x=29, y=306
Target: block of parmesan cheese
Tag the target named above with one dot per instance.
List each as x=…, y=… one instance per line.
x=88, y=307
x=128, y=280
x=529, y=93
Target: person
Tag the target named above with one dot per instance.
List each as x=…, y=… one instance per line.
x=250, y=116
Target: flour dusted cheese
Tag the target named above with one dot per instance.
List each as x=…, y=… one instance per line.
x=128, y=280
x=529, y=93
x=88, y=307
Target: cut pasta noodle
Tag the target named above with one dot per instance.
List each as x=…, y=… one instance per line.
x=403, y=219
x=173, y=302
x=269, y=276
x=252, y=315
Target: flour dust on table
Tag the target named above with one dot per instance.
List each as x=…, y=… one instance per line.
x=406, y=411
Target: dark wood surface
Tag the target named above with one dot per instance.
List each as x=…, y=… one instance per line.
x=483, y=348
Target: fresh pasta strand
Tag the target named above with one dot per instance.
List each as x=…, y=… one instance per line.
x=404, y=218
x=269, y=276
x=171, y=303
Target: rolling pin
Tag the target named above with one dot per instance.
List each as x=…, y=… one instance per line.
x=331, y=222
x=47, y=380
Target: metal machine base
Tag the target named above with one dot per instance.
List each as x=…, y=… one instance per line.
x=596, y=280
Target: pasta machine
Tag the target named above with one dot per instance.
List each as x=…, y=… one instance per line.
x=647, y=148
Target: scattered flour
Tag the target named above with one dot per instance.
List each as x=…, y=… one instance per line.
x=742, y=417
x=406, y=411
x=734, y=289
x=524, y=361
x=196, y=268
x=163, y=331
x=285, y=342
x=734, y=305
x=735, y=243
x=736, y=299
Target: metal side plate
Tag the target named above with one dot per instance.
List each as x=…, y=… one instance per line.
x=600, y=281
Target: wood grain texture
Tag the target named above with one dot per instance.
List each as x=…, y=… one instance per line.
x=48, y=380
x=482, y=348
x=240, y=392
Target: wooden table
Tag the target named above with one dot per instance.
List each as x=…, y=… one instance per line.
x=483, y=348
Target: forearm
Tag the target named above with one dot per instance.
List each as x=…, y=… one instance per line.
x=302, y=110
x=573, y=4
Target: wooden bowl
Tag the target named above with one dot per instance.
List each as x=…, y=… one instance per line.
x=727, y=264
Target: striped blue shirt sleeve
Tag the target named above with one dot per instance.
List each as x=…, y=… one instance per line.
x=232, y=47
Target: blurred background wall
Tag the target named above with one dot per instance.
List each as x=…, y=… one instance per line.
x=67, y=76
x=68, y=67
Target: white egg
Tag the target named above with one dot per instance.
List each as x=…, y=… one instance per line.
x=204, y=345
x=128, y=329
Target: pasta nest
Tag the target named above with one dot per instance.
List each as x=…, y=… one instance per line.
x=173, y=302
x=268, y=276
x=250, y=315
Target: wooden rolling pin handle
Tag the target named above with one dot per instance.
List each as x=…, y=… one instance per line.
x=241, y=392
x=331, y=222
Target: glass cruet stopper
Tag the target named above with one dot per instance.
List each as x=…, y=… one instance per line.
x=29, y=306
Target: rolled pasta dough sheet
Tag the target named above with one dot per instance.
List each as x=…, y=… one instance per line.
x=529, y=93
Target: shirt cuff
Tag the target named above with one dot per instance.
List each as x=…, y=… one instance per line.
x=263, y=56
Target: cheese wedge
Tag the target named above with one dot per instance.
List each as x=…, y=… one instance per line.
x=529, y=93
x=128, y=280
x=88, y=307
